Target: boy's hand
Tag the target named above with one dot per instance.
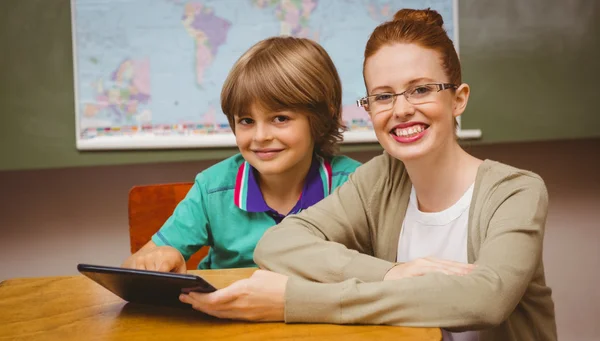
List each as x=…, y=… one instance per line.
x=258, y=298
x=158, y=258
x=421, y=266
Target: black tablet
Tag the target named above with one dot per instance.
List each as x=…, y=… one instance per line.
x=147, y=287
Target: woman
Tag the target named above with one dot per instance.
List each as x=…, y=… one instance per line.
x=423, y=235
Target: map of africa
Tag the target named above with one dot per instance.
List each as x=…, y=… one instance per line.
x=147, y=70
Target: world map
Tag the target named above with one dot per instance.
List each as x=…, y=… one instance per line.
x=155, y=68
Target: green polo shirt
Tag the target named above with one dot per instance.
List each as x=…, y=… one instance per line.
x=225, y=210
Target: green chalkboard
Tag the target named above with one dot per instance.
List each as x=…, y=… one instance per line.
x=533, y=68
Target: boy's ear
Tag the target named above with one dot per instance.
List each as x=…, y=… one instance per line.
x=461, y=98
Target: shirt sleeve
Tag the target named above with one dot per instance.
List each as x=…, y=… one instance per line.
x=342, y=168
x=187, y=228
x=508, y=259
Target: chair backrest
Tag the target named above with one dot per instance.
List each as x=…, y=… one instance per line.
x=149, y=207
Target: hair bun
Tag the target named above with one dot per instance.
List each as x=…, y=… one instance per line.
x=427, y=16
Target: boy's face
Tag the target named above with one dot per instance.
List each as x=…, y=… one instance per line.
x=275, y=143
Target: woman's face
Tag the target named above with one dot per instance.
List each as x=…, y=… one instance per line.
x=421, y=127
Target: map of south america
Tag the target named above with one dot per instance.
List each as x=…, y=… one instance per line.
x=209, y=33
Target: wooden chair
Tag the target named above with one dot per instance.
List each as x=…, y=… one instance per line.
x=149, y=207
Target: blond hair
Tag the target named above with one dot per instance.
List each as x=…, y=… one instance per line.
x=287, y=73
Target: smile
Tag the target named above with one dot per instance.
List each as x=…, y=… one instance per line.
x=267, y=154
x=407, y=133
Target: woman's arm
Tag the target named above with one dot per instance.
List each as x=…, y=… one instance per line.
x=330, y=241
x=507, y=261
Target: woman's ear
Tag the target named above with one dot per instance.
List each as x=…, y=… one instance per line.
x=461, y=97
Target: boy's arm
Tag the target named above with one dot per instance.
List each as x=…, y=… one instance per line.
x=330, y=241
x=187, y=228
x=156, y=258
x=148, y=246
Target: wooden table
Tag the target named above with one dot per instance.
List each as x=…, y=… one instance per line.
x=76, y=308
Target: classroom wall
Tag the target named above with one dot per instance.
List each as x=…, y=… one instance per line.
x=532, y=66
x=51, y=220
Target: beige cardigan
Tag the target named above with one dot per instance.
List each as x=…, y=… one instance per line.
x=349, y=241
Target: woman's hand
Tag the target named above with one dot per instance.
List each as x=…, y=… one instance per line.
x=157, y=258
x=421, y=266
x=258, y=298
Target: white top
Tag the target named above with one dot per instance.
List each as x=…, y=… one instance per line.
x=438, y=234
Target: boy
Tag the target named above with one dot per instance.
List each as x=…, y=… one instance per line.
x=282, y=99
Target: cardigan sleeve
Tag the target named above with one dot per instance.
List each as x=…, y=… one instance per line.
x=508, y=258
x=330, y=241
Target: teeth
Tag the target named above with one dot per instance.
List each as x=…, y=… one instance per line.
x=409, y=131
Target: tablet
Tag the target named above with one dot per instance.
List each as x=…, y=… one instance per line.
x=146, y=287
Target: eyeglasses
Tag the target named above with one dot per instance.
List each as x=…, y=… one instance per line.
x=419, y=94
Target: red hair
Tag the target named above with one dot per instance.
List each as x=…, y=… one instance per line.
x=421, y=27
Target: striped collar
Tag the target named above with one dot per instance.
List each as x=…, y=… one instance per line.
x=317, y=185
